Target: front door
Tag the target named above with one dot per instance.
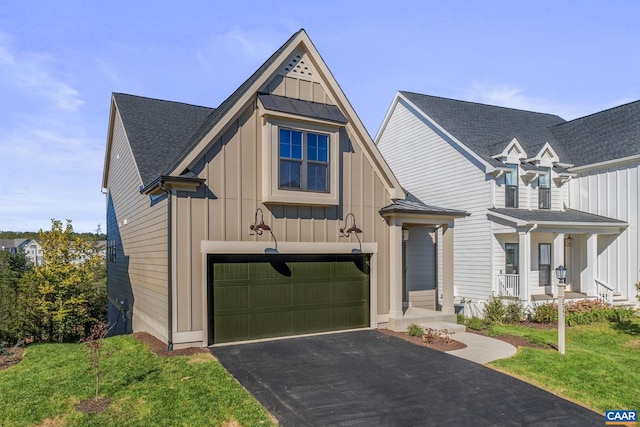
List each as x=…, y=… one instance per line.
x=544, y=267
x=512, y=256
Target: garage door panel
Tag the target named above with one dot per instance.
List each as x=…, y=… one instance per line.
x=313, y=293
x=313, y=270
x=351, y=317
x=272, y=295
x=232, y=328
x=315, y=320
x=350, y=291
x=231, y=297
x=232, y=271
x=273, y=324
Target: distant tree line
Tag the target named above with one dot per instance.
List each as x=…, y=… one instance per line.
x=35, y=235
x=59, y=300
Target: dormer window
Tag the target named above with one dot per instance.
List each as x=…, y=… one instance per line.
x=544, y=189
x=304, y=160
x=511, y=187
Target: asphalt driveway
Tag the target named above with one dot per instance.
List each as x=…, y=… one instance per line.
x=369, y=378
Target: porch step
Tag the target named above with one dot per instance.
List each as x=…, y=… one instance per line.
x=620, y=301
x=419, y=316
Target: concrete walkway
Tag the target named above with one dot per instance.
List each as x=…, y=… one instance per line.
x=480, y=349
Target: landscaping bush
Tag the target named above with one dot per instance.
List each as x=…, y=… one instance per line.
x=581, y=312
x=514, y=312
x=476, y=323
x=414, y=330
x=546, y=312
x=494, y=309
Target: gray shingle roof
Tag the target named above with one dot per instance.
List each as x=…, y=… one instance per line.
x=569, y=216
x=607, y=135
x=157, y=130
x=486, y=129
x=414, y=205
x=302, y=108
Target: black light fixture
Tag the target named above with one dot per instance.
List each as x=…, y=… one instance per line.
x=561, y=273
x=569, y=241
x=346, y=232
x=353, y=229
x=259, y=228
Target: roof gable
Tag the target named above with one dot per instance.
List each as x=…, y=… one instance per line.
x=157, y=131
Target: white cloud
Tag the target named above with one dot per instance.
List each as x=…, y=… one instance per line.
x=505, y=95
x=33, y=74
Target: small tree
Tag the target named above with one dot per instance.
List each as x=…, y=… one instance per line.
x=93, y=344
x=64, y=287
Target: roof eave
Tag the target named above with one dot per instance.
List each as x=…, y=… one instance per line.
x=178, y=183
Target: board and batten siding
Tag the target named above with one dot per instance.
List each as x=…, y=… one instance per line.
x=225, y=206
x=612, y=192
x=440, y=174
x=139, y=231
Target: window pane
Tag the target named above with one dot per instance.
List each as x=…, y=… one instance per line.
x=285, y=143
x=323, y=148
x=317, y=177
x=296, y=145
x=544, y=180
x=512, y=177
x=289, y=174
x=545, y=253
x=312, y=146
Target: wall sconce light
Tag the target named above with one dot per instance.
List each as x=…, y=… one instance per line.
x=261, y=227
x=405, y=234
x=569, y=241
x=346, y=232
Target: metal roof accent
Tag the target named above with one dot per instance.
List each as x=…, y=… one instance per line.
x=299, y=107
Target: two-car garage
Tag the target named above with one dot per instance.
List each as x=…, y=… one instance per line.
x=272, y=295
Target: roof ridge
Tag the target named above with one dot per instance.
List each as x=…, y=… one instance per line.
x=627, y=104
x=161, y=100
x=481, y=104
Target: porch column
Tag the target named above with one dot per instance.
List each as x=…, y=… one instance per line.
x=558, y=259
x=395, y=271
x=589, y=285
x=524, y=261
x=447, y=270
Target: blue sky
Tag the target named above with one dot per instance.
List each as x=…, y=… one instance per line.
x=60, y=62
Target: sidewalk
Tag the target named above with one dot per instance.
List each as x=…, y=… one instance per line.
x=480, y=349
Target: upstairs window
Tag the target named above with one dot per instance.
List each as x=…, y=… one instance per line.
x=304, y=161
x=544, y=189
x=511, y=187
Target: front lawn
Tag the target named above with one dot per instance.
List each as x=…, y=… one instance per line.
x=601, y=367
x=145, y=389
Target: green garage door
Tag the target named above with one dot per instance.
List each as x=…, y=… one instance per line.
x=264, y=296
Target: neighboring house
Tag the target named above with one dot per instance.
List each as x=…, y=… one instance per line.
x=33, y=252
x=13, y=245
x=272, y=215
x=541, y=192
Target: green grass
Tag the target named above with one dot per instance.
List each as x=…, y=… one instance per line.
x=600, y=368
x=145, y=389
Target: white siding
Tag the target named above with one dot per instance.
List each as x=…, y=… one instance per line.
x=440, y=174
x=613, y=192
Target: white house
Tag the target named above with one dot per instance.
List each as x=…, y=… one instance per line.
x=541, y=192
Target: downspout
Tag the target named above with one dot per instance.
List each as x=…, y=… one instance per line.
x=169, y=270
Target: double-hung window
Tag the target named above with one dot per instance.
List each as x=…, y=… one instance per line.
x=544, y=189
x=511, y=187
x=304, y=160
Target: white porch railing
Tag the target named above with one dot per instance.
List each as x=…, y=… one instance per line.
x=605, y=292
x=509, y=285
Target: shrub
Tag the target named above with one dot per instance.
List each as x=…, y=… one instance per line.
x=514, y=312
x=414, y=330
x=476, y=323
x=494, y=309
x=545, y=313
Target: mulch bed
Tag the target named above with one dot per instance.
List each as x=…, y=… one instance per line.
x=160, y=348
x=13, y=356
x=439, y=344
x=93, y=406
